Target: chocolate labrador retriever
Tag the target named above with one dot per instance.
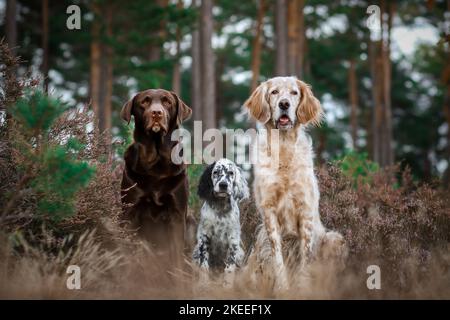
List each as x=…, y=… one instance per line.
x=154, y=189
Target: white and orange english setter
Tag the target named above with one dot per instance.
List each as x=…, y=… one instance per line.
x=285, y=186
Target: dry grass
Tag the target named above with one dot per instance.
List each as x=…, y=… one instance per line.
x=413, y=264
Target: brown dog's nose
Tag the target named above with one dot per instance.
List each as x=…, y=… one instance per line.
x=156, y=113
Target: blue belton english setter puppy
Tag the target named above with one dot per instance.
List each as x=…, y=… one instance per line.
x=222, y=186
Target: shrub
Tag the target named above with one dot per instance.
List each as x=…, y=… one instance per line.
x=194, y=172
x=49, y=169
x=402, y=226
x=357, y=166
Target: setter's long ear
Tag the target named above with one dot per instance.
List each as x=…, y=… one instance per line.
x=309, y=110
x=125, y=114
x=240, y=189
x=205, y=186
x=257, y=104
x=183, y=111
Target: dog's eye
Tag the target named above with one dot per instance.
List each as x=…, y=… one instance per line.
x=294, y=93
x=215, y=173
x=165, y=101
x=274, y=92
x=231, y=173
x=146, y=101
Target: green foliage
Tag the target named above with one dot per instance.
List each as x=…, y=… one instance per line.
x=194, y=172
x=357, y=166
x=59, y=179
x=52, y=168
x=127, y=139
x=36, y=112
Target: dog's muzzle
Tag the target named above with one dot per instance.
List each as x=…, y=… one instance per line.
x=284, y=122
x=156, y=120
x=221, y=189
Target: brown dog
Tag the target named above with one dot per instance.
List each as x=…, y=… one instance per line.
x=154, y=189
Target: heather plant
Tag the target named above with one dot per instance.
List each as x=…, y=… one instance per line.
x=396, y=223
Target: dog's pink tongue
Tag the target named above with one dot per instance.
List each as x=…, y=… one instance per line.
x=283, y=120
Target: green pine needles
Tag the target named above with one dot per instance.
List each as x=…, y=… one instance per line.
x=53, y=170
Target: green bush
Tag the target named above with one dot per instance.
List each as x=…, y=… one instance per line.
x=36, y=112
x=194, y=172
x=357, y=166
x=50, y=169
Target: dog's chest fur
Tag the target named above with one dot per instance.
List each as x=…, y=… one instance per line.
x=220, y=224
x=288, y=189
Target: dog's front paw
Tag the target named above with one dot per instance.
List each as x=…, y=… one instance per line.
x=281, y=279
x=334, y=249
x=203, y=278
x=228, y=281
x=228, y=277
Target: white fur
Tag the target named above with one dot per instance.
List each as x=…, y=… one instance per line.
x=285, y=186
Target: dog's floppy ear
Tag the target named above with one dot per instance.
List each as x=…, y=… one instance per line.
x=205, y=185
x=309, y=109
x=257, y=104
x=240, y=189
x=125, y=114
x=183, y=111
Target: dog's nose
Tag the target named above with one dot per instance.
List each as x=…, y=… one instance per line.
x=223, y=185
x=284, y=104
x=156, y=113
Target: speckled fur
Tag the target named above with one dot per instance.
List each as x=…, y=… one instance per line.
x=219, y=231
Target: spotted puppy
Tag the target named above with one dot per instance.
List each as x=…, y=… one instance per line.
x=222, y=186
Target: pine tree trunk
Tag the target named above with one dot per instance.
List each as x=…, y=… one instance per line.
x=376, y=90
x=257, y=44
x=108, y=72
x=95, y=63
x=353, y=98
x=387, y=66
x=447, y=117
x=11, y=25
x=446, y=82
x=155, y=47
x=300, y=68
x=207, y=66
x=281, y=38
x=381, y=76
x=11, y=39
x=101, y=67
x=196, y=78
x=293, y=38
x=321, y=147
x=176, y=77
x=45, y=54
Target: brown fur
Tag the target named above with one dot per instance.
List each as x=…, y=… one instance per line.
x=309, y=110
x=154, y=189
